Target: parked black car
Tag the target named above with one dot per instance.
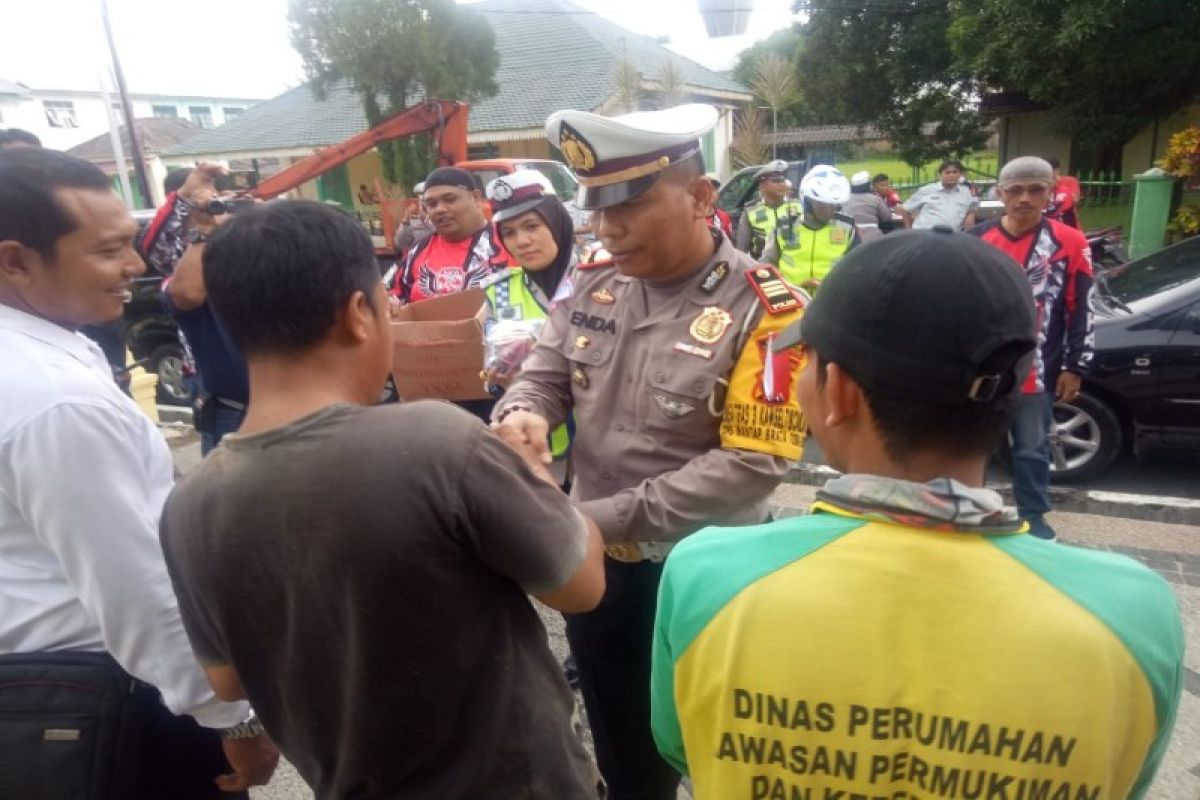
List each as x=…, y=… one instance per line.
x=1143, y=388
x=153, y=338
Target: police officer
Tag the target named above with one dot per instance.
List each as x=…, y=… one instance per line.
x=537, y=230
x=805, y=246
x=683, y=419
x=759, y=220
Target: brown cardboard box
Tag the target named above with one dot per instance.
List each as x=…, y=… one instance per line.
x=437, y=347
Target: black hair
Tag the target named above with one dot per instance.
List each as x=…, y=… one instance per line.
x=278, y=274
x=176, y=178
x=951, y=162
x=29, y=212
x=18, y=136
x=909, y=426
x=880, y=177
x=1053, y=162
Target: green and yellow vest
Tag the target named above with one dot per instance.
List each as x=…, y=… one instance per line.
x=511, y=298
x=762, y=219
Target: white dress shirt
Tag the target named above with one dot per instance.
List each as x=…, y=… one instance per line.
x=83, y=478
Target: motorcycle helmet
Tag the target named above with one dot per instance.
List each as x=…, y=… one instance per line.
x=825, y=184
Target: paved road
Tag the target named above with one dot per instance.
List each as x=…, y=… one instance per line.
x=1172, y=550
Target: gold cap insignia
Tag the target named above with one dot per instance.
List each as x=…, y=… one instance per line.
x=575, y=149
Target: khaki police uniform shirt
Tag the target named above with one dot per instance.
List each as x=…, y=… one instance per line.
x=673, y=428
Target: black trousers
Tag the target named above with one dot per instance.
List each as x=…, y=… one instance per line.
x=612, y=646
x=75, y=726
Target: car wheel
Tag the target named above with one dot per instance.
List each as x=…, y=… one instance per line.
x=1084, y=439
x=173, y=388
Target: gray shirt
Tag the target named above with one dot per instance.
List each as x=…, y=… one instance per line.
x=934, y=205
x=869, y=211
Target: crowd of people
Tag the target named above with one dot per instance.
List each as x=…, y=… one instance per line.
x=346, y=581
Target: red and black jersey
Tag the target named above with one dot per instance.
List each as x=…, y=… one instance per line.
x=1058, y=262
x=435, y=267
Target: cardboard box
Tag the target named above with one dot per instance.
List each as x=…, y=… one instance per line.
x=437, y=347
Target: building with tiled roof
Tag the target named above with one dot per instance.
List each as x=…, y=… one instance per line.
x=553, y=55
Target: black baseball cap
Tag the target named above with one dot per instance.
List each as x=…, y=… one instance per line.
x=935, y=315
x=453, y=176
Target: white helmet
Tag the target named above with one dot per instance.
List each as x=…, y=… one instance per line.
x=825, y=184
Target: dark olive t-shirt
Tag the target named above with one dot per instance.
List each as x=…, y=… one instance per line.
x=364, y=571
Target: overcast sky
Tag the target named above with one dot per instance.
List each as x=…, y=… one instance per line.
x=240, y=48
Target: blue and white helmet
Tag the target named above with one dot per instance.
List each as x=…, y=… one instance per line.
x=825, y=184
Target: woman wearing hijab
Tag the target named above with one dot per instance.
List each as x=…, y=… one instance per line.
x=537, y=230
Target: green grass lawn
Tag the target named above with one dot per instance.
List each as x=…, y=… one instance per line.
x=982, y=164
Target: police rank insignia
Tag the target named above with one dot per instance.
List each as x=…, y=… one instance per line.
x=604, y=297
x=714, y=277
x=710, y=326
x=775, y=294
x=575, y=149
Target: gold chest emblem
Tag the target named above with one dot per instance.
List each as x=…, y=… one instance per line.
x=710, y=326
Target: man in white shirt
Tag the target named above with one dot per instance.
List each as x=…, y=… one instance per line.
x=946, y=202
x=83, y=477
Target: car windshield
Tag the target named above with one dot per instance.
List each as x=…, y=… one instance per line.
x=1158, y=272
x=732, y=192
x=560, y=177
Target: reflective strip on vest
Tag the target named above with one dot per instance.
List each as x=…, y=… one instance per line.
x=511, y=299
x=813, y=253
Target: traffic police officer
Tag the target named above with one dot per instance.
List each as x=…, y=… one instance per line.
x=759, y=220
x=683, y=418
x=805, y=246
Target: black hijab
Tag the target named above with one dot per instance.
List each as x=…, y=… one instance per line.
x=562, y=228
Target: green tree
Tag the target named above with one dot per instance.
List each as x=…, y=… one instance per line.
x=672, y=86
x=785, y=45
x=889, y=63
x=775, y=83
x=395, y=53
x=1104, y=68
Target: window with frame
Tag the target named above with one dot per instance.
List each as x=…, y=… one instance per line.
x=60, y=113
x=232, y=111
x=201, y=115
x=164, y=111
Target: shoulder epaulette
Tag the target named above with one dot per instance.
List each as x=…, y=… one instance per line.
x=597, y=259
x=776, y=295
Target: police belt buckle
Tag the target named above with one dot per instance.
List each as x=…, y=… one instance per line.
x=637, y=552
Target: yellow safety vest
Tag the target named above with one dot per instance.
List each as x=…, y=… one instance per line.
x=511, y=298
x=763, y=219
x=807, y=255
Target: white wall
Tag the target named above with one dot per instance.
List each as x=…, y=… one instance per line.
x=91, y=120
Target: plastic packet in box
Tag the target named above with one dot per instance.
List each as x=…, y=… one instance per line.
x=507, y=344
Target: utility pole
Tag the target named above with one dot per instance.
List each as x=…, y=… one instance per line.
x=135, y=149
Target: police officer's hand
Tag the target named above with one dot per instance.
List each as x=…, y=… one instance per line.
x=253, y=761
x=201, y=184
x=526, y=432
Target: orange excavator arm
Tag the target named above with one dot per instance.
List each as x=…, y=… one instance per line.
x=447, y=119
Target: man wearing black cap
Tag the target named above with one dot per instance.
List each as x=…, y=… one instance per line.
x=682, y=418
x=908, y=635
x=758, y=221
x=460, y=253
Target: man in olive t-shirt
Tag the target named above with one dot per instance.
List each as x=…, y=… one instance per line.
x=360, y=573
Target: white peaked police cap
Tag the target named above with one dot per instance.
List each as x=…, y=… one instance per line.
x=617, y=158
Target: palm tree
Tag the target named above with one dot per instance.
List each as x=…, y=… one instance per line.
x=627, y=82
x=672, y=87
x=775, y=83
x=750, y=144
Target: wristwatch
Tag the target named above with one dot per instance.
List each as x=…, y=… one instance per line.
x=246, y=729
x=196, y=236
